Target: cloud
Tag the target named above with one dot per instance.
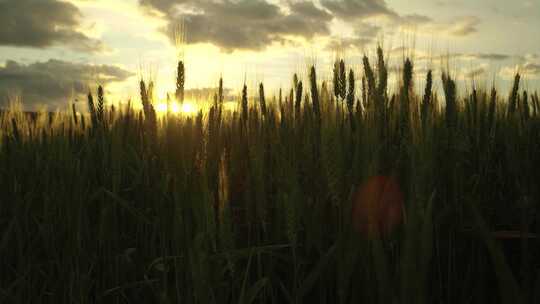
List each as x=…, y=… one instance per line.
x=488, y=56
x=459, y=27
x=256, y=24
x=206, y=93
x=414, y=20
x=351, y=10
x=364, y=34
x=357, y=12
x=43, y=23
x=53, y=82
x=162, y=6
x=337, y=44
x=243, y=24
x=471, y=56
x=417, y=70
x=528, y=69
x=475, y=72
x=532, y=57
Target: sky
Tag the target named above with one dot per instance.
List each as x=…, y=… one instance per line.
x=54, y=51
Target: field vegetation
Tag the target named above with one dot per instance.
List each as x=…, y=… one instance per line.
x=338, y=191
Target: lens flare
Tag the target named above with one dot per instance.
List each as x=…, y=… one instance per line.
x=377, y=206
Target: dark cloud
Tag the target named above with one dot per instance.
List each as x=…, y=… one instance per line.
x=414, y=19
x=242, y=24
x=357, y=43
x=472, y=56
x=309, y=10
x=53, y=82
x=250, y=24
x=356, y=12
x=364, y=34
x=255, y=24
x=490, y=56
x=162, y=6
x=351, y=10
x=43, y=23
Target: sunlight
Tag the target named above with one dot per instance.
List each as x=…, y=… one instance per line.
x=176, y=108
x=161, y=108
x=230, y=106
x=188, y=108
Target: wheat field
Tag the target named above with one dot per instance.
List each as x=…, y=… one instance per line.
x=340, y=191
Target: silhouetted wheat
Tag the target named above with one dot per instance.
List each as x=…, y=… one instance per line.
x=250, y=205
x=180, y=82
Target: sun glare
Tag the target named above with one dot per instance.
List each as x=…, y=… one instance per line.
x=161, y=108
x=176, y=108
x=188, y=108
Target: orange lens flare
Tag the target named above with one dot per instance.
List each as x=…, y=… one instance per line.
x=377, y=206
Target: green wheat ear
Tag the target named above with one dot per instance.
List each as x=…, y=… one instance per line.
x=74, y=112
x=245, y=108
x=364, y=92
x=405, y=107
x=526, y=107
x=383, y=73
x=351, y=92
x=15, y=130
x=535, y=104
x=514, y=95
x=92, y=109
x=220, y=91
x=262, y=99
x=180, y=82
x=336, y=80
x=315, y=93
x=427, y=100
x=351, y=98
x=342, y=80
x=451, y=104
x=491, y=111
x=101, y=105
x=298, y=101
x=371, y=85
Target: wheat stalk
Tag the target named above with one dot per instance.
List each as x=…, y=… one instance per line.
x=100, y=105
x=315, y=94
x=180, y=82
x=451, y=105
x=92, y=109
x=513, y=99
x=262, y=99
x=298, y=102
x=426, y=101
